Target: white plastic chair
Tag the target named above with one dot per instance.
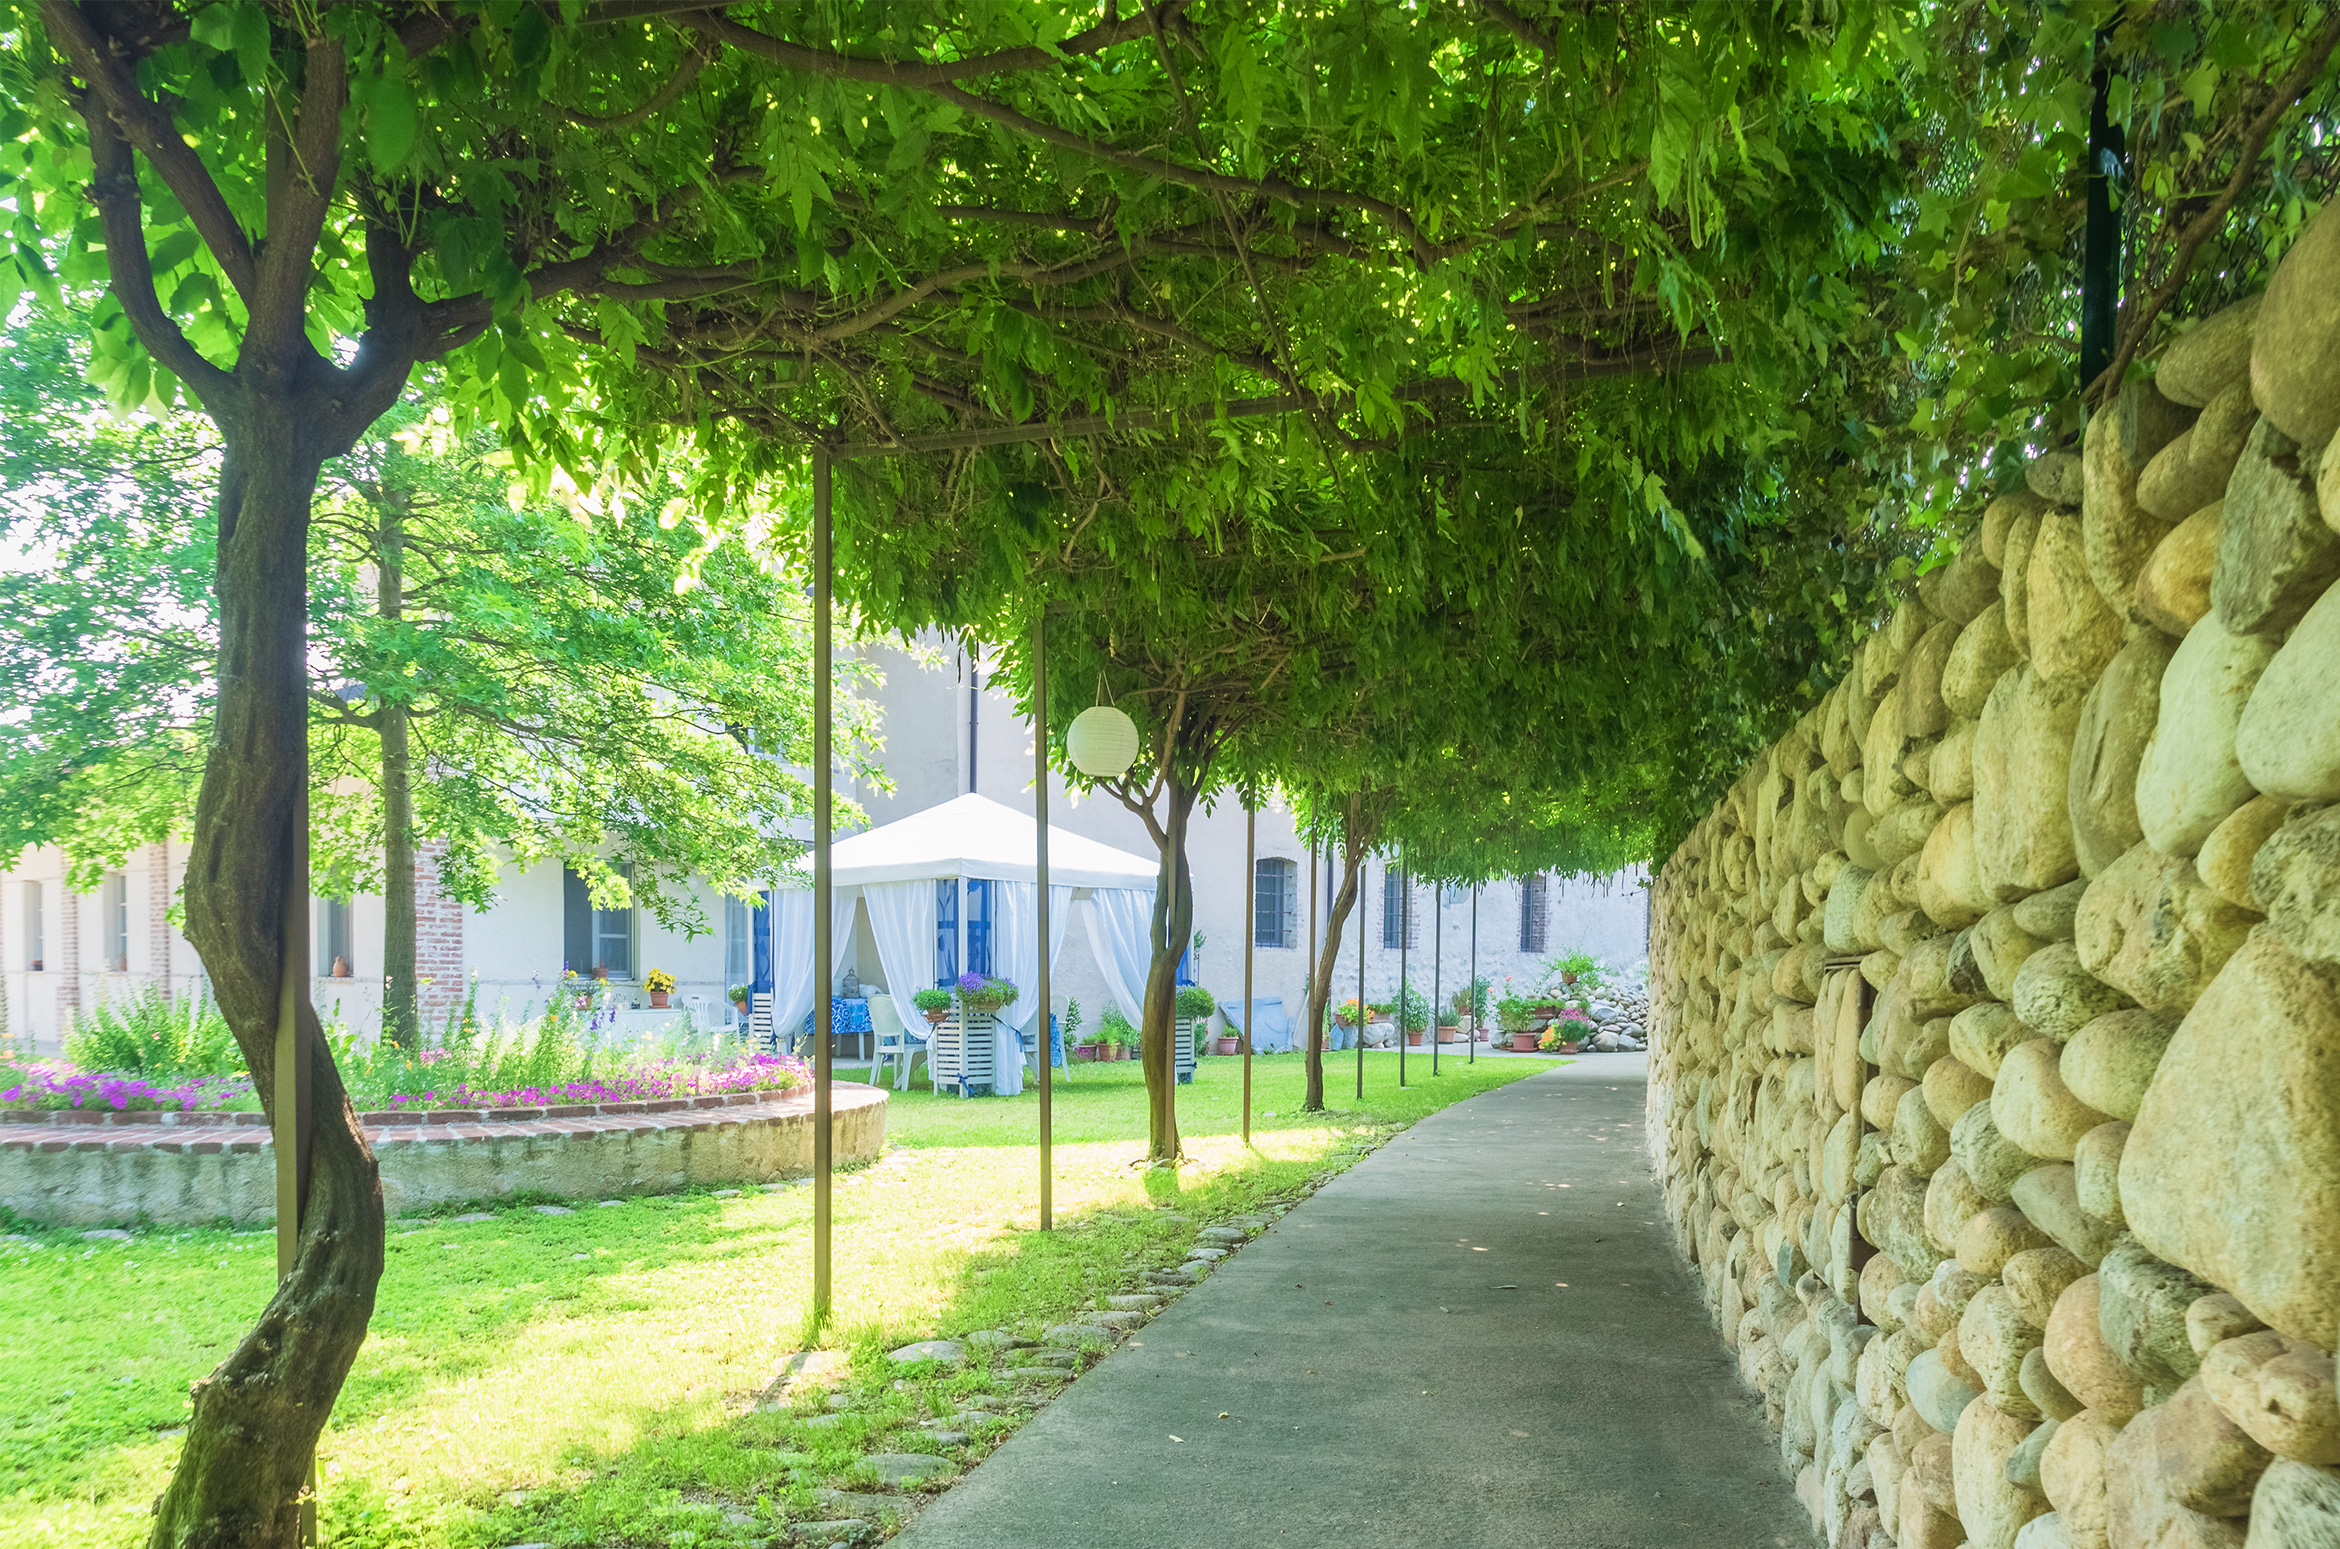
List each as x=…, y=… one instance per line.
x=892, y=1044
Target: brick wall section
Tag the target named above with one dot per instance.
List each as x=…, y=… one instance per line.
x=158, y=916
x=438, y=936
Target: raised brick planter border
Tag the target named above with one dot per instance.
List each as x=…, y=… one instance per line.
x=79, y=1167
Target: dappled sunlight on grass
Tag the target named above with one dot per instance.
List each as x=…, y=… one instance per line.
x=593, y=1377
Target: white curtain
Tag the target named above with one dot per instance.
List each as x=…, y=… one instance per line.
x=793, y=978
x=1015, y=957
x=1121, y=919
x=901, y=917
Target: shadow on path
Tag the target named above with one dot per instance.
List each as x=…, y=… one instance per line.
x=1478, y=1336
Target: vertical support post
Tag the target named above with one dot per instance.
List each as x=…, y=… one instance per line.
x=2100, y=262
x=1315, y=1030
x=292, y=1126
x=1405, y=931
x=1437, y=963
x=1040, y=827
x=1250, y=939
x=823, y=948
x=1476, y=1030
x=1362, y=911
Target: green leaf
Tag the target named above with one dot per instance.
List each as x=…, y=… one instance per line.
x=389, y=123
x=174, y=250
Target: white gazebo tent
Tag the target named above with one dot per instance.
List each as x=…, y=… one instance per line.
x=891, y=871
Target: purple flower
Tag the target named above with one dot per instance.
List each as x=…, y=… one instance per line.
x=970, y=982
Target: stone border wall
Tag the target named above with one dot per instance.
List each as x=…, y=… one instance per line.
x=86, y=1169
x=1996, y=1080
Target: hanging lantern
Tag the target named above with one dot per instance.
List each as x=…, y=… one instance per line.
x=1102, y=742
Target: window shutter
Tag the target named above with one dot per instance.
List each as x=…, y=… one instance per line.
x=576, y=923
x=1290, y=871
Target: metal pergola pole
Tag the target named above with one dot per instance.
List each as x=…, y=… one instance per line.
x=1314, y=1053
x=1361, y=913
x=823, y=1012
x=1437, y=949
x=1473, y=1057
x=1405, y=929
x=1250, y=938
x=1040, y=813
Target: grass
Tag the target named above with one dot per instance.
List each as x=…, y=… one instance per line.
x=595, y=1378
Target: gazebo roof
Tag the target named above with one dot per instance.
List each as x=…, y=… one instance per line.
x=974, y=836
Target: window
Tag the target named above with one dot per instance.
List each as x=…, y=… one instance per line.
x=1535, y=914
x=1275, y=903
x=1186, y=965
x=946, y=930
x=597, y=941
x=1399, y=926
x=739, y=956
x=335, y=956
x=114, y=922
x=35, y=929
x=978, y=926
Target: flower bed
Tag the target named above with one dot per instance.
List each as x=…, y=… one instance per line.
x=55, y=1084
x=670, y=1078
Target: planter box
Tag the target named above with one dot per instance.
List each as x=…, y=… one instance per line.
x=959, y=1056
x=1184, y=1030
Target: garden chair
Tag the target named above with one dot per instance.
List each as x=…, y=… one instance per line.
x=893, y=1044
x=760, y=1023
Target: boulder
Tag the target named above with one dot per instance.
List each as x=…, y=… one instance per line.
x=2000, y=516
x=1992, y=1507
x=1921, y=1142
x=2024, y=1463
x=1951, y=890
x=2118, y=532
x=2033, y=1108
x=1930, y=1474
x=2141, y=1310
x=2150, y=928
x=1958, y=592
x=2279, y=1391
x=2054, y=477
x=2072, y=632
x=2207, y=1461
x=2001, y=945
x=2209, y=357
x=1892, y=1218
x=2109, y=1063
x=2225, y=862
x=2296, y=335
x=2096, y=1173
x=1937, y=1394
x=2173, y=590
x=2071, y=1475
x=2022, y=779
x=2191, y=778
x=2049, y=1198
x=2141, y=1507
x=2214, y=1319
x=2295, y=1507
x=1951, y=1202
x=2296, y=874
x=2081, y=1360
x=1991, y=1237
x=1994, y=1336
x=2049, y=1396
x=1991, y=1161
x=2015, y=581
x=1839, y=913
x=2116, y=725
x=2192, y=471
x=2056, y=995
x=2035, y=1277
x=2288, y=741
x=2233, y=1168
x=1952, y=1086
x=1950, y=773
x=1981, y=656
x=2275, y=552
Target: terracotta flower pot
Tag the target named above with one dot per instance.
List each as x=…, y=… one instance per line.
x=1227, y=1045
x=1413, y=1039
x=1523, y=1043
x=1568, y=1048
x=1447, y=1035
x=937, y=1018
x=658, y=999
x=740, y=1006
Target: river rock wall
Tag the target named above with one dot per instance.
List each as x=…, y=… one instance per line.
x=1996, y=1083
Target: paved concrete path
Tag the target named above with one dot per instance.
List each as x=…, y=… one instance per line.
x=1480, y=1335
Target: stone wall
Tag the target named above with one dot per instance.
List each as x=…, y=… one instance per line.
x=108, y=1169
x=1996, y=1090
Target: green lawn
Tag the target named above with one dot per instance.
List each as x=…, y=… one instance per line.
x=595, y=1378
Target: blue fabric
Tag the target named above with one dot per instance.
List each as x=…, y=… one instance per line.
x=1271, y=1030
x=847, y=1014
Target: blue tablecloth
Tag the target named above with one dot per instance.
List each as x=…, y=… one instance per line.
x=847, y=1014
x=1271, y=1029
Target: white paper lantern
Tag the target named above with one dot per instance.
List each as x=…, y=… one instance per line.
x=1103, y=742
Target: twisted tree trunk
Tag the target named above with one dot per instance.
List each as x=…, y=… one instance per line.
x=1172, y=928
x=1320, y=985
x=257, y=1417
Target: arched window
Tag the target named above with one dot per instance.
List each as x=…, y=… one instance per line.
x=1275, y=894
x=1401, y=923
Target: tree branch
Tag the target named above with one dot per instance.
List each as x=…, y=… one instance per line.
x=113, y=188
x=304, y=165
x=149, y=129
x=922, y=75
x=695, y=59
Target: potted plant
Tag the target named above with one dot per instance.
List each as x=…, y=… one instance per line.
x=660, y=984
x=738, y=995
x=1559, y=1038
x=1414, y=1016
x=1114, y=1035
x=1577, y=967
x=1449, y=1026
x=984, y=995
x=936, y=1003
x=1515, y=1014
